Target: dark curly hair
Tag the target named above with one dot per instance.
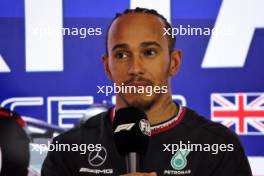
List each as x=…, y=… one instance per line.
x=172, y=40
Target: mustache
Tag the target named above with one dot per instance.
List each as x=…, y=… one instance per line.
x=138, y=78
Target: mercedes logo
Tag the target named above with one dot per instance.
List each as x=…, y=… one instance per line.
x=97, y=158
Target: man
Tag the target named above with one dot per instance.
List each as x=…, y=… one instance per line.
x=139, y=55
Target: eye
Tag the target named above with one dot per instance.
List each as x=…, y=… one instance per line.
x=150, y=52
x=121, y=55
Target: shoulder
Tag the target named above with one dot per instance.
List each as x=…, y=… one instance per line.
x=209, y=130
x=91, y=126
x=216, y=135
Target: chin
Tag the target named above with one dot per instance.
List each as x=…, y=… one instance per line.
x=140, y=101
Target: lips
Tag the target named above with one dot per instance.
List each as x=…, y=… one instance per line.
x=138, y=83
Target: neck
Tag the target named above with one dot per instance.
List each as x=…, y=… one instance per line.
x=160, y=111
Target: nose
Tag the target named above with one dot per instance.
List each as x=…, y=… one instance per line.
x=136, y=66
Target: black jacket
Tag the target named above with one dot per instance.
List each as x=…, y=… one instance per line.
x=218, y=150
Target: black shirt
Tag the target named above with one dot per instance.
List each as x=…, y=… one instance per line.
x=213, y=149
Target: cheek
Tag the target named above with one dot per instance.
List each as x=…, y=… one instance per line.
x=118, y=72
x=159, y=69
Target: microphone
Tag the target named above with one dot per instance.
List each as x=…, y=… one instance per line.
x=131, y=135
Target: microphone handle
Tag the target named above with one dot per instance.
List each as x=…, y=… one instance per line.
x=132, y=162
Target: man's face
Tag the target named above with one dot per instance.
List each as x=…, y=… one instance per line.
x=138, y=56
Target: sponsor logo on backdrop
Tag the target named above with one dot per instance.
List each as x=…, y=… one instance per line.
x=242, y=111
x=243, y=33
x=63, y=111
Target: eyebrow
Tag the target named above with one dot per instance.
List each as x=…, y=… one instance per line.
x=143, y=44
x=121, y=45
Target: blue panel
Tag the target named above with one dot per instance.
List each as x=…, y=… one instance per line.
x=94, y=8
x=11, y=8
x=199, y=9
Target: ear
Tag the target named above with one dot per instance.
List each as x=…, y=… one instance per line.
x=176, y=59
x=106, y=66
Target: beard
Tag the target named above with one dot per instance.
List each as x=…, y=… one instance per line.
x=138, y=101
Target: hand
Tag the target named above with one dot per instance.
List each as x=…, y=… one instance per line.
x=141, y=174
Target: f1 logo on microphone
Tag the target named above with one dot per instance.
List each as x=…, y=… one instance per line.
x=126, y=127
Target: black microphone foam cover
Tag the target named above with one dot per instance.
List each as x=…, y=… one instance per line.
x=131, y=131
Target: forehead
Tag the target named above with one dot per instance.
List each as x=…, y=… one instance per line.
x=135, y=28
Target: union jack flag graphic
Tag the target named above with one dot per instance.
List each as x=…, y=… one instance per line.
x=243, y=112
